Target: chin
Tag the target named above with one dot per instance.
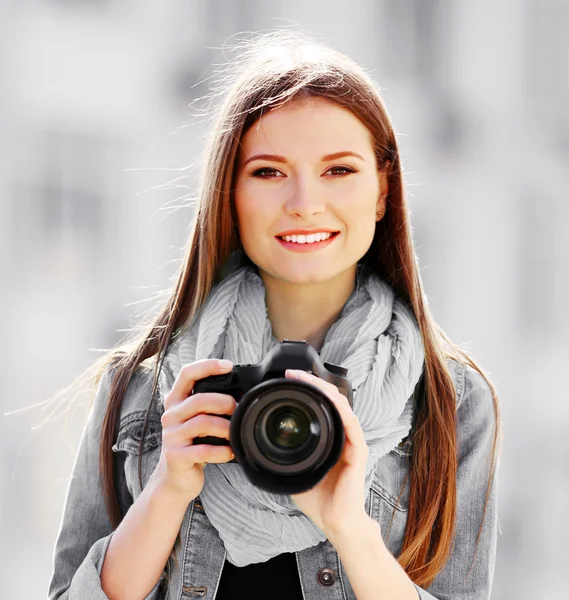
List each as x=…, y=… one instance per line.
x=301, y=273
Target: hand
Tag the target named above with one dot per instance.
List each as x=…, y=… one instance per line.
x=180, y=468
x=337, y=502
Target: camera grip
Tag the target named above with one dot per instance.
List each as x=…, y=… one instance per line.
x=220, y=384
x=213, y=383
x=211, y=439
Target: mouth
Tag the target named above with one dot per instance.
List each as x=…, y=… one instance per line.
x=307, y=243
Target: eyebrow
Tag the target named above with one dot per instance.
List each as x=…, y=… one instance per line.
x=282, y=159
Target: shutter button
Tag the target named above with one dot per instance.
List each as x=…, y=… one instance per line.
x=326, y=577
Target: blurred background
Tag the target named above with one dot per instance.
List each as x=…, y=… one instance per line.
x=95, y=96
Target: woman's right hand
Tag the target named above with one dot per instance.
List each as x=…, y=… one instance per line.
x=180, y=468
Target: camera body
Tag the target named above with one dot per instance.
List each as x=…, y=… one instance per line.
x=286, y=434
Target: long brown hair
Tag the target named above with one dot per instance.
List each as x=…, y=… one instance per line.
x=271, y=69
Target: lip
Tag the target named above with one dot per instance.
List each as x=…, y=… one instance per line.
x=295, y=247
x=306, y=231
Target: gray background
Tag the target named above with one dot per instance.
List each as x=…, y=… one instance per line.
x=94, y=157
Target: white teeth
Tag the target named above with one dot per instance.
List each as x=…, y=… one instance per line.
x=307, y=239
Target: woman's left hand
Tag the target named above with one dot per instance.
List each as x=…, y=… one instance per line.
x=336, y=504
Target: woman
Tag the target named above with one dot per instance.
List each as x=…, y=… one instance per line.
x=301, y=232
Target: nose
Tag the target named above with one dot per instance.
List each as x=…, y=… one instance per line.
x=305, y=199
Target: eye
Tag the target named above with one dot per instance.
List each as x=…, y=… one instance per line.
x=343, y=171
x=265, y=173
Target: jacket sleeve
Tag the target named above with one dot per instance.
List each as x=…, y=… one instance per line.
x=466, y=576
x=85, y=530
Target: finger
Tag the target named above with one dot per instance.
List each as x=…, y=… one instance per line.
x=328, y=388
x=350, y=421
x=200, y=426
x=202, y=454
x=206, y=403
x=191, y=373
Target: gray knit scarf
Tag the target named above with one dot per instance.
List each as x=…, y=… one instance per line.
x=376, y=338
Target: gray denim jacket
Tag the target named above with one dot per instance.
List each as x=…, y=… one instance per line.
x=85, y=531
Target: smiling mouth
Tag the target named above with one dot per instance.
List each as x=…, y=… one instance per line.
x=312, y=238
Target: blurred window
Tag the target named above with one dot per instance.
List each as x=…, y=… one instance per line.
x=71, y=184
x=539, y=310
x=546, y=84
x=61, y=201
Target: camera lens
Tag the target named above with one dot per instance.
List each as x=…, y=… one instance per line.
x=288, y=428
x=287, y=431
x=287, y=434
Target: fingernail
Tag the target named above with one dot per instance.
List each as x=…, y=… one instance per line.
x=225, y=365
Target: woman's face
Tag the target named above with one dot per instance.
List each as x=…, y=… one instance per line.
x=303, y=169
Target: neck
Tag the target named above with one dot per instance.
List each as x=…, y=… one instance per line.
x=305, y=311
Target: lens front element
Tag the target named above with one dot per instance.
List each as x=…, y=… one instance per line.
x=287, y=431
x=286, y=427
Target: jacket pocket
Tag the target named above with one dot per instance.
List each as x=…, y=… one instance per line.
x=128, y=444
x=389, y=496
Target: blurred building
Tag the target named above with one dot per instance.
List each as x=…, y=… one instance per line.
x=94, y=155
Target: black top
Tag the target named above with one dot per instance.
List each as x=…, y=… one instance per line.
x=276, y=579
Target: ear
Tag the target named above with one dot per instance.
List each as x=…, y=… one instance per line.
x=383, y=190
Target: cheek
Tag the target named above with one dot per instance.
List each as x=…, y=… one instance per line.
x=363, y=210
x=361, y=235
x=359, y=218
x=253, y=215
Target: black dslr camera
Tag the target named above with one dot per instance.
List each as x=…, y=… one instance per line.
x=285, y=433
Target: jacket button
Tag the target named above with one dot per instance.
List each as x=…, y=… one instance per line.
x=326, y=577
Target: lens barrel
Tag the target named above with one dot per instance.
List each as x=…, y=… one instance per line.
x=286, y=434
